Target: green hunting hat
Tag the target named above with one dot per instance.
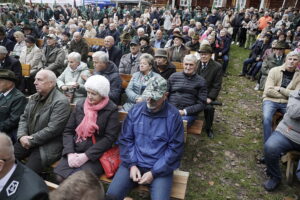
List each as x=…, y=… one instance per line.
x=126, y=36
x=7, y=75
x=195, y=37
x=161, y=53
x=156, y=88
x=205, y=49
x=279, y=45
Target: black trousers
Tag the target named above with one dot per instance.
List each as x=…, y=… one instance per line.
x=34, y=160
x=209, y=113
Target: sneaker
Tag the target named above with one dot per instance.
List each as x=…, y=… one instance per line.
x=232, y=42
x=271, y=184
x=237, y=44
x=256, y=87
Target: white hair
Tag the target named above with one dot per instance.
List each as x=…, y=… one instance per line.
x=74, y=55
x=190, y=57
x=50, y=75
x=101, y=56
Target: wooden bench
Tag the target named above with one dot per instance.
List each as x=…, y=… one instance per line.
x=196, y=127
x=179, y=66
x=94, y=41
x=26, y=70
x=40, y=43
x=291, y=159
x=125, y=80
x=277, y=117
x=51, y=186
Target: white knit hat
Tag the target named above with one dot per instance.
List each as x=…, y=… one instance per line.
x=99, y=84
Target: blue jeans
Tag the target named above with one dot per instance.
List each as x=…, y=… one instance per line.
x=255, y=69
x=225, y=59
x=190, y=119
x=160, y=188
x=247, y=62
x=274, y=147
x=269, y=109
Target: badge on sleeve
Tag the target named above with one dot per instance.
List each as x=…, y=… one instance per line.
x=12, y=188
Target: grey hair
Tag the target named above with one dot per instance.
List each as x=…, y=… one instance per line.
x=190, y=57
x=76, y=56
x=8, y=145
x=140, y=29
x=101, y=56
x=149, y=58
x=50, y=75
x=293, y=53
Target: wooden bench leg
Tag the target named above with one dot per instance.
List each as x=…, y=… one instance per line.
x=290, y=171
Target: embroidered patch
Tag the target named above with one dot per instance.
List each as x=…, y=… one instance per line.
x=12, y=188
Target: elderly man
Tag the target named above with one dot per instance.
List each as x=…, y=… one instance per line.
x=103, y=66
x=151, y=145
x=18, y=182
x=285, y=138
x=53, y=56
x=112, y=31
x=211, y=71
x=41, y=126
x=130, y=62
x=223, y=49
x=12, y=104
x=10, y=63
x=4, y=41
x=280, y=83
x=114, y=53
x=158, y=41
x=177, y=52
x=194, y=44
x=162, y=65
x=187, y=90
x=79, y=45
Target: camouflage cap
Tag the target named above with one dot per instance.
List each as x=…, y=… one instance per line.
x=156, y=88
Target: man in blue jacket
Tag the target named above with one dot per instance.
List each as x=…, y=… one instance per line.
x=151, y=145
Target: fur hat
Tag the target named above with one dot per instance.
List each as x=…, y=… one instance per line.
x=99, y=84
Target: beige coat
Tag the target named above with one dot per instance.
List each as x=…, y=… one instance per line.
x=274, y=80
x=32, y=57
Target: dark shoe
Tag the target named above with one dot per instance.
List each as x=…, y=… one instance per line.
x=261, y=160
x=210, y=134
x=241, y=74
x=271, y=184
x=252, y=78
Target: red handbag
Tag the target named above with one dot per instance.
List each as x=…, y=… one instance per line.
x=110, y=160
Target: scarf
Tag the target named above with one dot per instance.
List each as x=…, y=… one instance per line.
x=88, y=125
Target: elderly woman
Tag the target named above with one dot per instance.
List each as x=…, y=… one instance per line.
x=90, y=31
x=139, y=81
x=95, y=118
x=20, y=45
x=71, y=81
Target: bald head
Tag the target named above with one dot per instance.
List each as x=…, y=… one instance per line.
x=45, y=81
x=77, y=36
x=6, y=146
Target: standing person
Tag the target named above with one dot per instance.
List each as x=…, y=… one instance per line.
x=18, y=182
x=40, y=128
x=211, y=71
x=146, y=160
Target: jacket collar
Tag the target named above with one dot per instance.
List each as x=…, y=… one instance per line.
x=162, y=113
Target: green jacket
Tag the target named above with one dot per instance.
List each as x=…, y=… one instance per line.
x=46, y=124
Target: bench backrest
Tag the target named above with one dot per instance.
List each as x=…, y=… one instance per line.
x=125, y=79
x=26, y=70
x=179, y=66
x=95, y=41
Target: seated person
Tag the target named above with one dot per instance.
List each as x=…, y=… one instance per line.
x=79, y=45
x=194, y=44
x=80, y=185
x=4, y=41
x=223, y=49
x=18, y=181
x=103, y=66
x=281, y=81
x=12, y=104
x=162, y=65
x=285, y=138
x=71, y=81
x=20, y=38
x=139, y=81
x=145, y=45
x=177, y=52
x=113, y=51
x=130, y=62
x=53, y=56
x=158, y=41
x=151, y=145
x=40, y=128
x=95, y=118
x=188, y=90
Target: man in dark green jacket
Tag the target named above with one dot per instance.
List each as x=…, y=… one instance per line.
x=41, y=126
x=12, y=104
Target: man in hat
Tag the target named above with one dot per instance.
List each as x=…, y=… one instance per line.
x=177, y=52
x=114, y=53
x=12, y=104
x=39, y=136
x=4, y=41
x=79, y=45
x=130, y=62
x=10, y=63
x=151, y=144
x=194, y=44
x=212, y=72
x=53, y=56
x=187, y=90
x=276, y=58
x=158, y=41
x=17, y=180
x=162, y=65
x=124, y=44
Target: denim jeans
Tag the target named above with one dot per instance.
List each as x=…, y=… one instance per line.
x=247, y=62
x=160, y=188
x=190, y=119
x=269, y=109
x=225, y=59
x=255, y=69
x=274, y=147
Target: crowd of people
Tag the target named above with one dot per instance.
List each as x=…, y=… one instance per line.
x=145, y=44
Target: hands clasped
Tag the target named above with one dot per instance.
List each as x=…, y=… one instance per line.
x=135, y=175
x=76, y=160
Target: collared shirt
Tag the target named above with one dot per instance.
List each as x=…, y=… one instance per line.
x=203, y=66
x=4, y=180
x=7, y=92
x=157, y=43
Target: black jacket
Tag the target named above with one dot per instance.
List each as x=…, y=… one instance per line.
x=114, y=53
x=8, y=44
x=11, y=108
x=24, y=184
x=12, y=64
x=169, y=70
x=162, y=43
x=213, y=75
x=187, y=92
x=112, y=74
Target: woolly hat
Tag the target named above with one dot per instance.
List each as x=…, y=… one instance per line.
x=99, y=84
